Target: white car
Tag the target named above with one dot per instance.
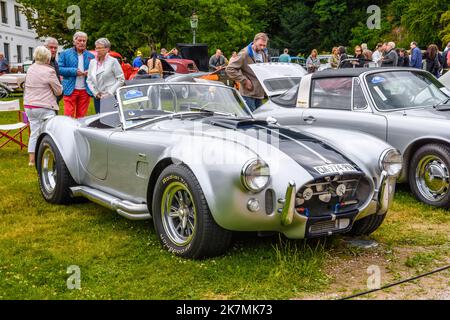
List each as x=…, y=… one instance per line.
x=15, y=81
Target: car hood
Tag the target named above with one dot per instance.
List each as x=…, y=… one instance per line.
x=283, y=71
x=319, y=159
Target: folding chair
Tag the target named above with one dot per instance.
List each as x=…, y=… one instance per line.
x=13, y=132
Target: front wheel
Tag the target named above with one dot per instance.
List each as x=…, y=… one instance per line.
x=182, y=219
x=367, y=225
x=54, y=177
x=429, y=177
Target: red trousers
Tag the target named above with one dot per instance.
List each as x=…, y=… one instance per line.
x=76, y=105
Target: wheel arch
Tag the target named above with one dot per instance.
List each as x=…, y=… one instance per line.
x=412, y=148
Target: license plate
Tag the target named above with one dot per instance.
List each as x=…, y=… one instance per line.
x=335, y=168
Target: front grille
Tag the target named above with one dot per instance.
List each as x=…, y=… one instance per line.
x=332, y=195
x=324, y=227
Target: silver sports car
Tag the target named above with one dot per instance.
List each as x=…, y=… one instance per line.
x=192, y=157
x=406, y=107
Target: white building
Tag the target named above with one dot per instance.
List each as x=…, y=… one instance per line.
x=17, y=38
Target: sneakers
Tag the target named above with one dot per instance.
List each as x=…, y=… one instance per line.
x=31, y=164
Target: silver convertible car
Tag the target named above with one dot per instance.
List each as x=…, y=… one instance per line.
x=192, y=157
x=406, y=107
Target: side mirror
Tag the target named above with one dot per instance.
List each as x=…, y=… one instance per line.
x=271, y=120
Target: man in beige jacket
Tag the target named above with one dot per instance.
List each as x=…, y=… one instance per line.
x=238, y=70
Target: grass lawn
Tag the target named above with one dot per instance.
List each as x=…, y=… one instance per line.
x=121, y=259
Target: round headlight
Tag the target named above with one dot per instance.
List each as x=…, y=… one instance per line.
x=255, y=175
x=391, y=161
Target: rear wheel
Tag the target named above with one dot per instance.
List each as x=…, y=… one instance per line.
x=54, y=177
x=429, y=176
x=182, y=218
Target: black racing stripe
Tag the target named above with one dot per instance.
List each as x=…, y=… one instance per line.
x=304, y=149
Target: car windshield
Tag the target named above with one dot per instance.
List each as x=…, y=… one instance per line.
x=404, y=89
x=151, y=100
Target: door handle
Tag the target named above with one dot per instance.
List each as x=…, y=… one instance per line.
x=310, y=119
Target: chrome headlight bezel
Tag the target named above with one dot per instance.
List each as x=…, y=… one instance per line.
x=391, y=161
x=255, y=175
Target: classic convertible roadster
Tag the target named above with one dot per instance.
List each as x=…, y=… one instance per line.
x=192, y=157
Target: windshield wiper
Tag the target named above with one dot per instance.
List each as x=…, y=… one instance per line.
x=443, y=102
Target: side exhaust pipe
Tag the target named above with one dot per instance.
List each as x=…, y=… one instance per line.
x=127, y=209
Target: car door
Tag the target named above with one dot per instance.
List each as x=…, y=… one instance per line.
x=340, y=102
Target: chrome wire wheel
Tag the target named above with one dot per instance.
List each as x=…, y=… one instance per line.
x=432, y=178
x=178, y=214
x=48, y=170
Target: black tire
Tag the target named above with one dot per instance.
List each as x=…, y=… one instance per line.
x=199, y=236
x=55, y=188
x=367, y=225
x=429, y=158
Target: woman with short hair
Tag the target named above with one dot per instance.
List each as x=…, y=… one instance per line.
x=39, y=101
x=105, y=74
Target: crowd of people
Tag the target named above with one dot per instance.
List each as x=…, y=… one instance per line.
x=386, y=55
x=78, y=75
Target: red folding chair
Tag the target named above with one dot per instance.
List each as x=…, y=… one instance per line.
x=13, y=132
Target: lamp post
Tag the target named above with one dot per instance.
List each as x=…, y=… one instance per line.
x=194, y=24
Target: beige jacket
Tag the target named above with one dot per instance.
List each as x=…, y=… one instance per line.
x=42, y=87
x=106, y=79
x=238, y=70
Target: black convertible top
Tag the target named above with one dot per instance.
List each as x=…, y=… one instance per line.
x=351, y=72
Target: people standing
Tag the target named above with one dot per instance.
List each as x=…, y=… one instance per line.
x=239, y=70
x=390, y=57
x=343, y=58
x=138, y=61
x=173, y=54
x=52, y=45
x=334, y=59
x=154, y=67
x=162, y=53
x=366, y=52
x=403, y=58
x=285, y=57
x=415, y=60
x=41, y=89
x=217, y=61
x=105, y=74
x=4, y=64
x=378, y=54
x=73, y=66
x=432, y=60
x=360, y=56
x=313, y=62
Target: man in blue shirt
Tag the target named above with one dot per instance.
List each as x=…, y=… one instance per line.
x=416, y=56
x=285, y=57
x=137, y=62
